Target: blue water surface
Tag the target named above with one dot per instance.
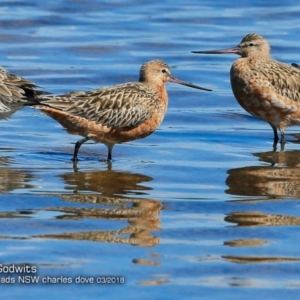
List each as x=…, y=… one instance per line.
x=201, y=209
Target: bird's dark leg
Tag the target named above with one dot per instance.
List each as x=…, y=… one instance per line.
x=276, y=138
x=282, y=142
x=77, y=146
x=109, y=156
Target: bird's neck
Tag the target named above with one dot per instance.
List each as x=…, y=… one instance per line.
x=258, y=59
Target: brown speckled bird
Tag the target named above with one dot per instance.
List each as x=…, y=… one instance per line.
x=264, y=87
x=14, y=91
x=116, y=114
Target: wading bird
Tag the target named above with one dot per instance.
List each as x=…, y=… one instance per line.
x=116, y=114
x=264, y=87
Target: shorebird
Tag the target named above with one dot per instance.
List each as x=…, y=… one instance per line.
x=264, y=87
x=115, y=114
x=15, y=91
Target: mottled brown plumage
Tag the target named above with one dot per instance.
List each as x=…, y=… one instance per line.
x=15, y=90
x=264, y=87
x=115, y=114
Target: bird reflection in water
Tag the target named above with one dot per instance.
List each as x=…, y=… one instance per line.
x=258, y=260
x=280, y=178
x=141, y=214
x=243, y=219
x=107, y=182
x=12, y=179
x=104, y=195
x=256, y=218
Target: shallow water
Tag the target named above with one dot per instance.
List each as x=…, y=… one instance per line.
x=202, y=208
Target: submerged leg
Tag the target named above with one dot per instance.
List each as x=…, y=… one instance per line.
x=282, y=127
x=77, y=146
x=282, y=142
x=276, y=138
x=110, y=147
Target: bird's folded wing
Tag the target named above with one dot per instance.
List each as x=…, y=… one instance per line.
x=113, y=107
x=286, y=81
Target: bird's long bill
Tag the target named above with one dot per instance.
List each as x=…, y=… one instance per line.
x=234, y=50
x=175, y=80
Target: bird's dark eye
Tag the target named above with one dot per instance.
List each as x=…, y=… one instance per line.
x=164, y=71
x=251, y=44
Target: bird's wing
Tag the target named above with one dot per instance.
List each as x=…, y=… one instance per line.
x=118, y=107
x=14, y=88
x=10, y=92
x=285, y=79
